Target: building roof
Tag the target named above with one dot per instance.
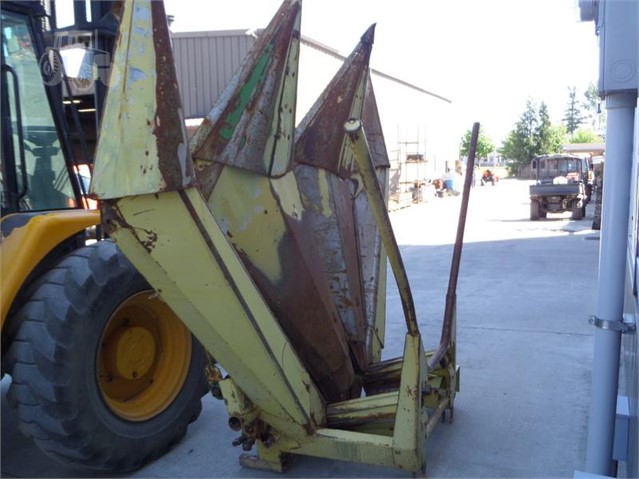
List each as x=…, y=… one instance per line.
x=308, y=42
x=593, y=149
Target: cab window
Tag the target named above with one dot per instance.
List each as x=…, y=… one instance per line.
x=38, y=165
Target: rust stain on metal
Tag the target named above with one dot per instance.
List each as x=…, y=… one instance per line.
x=315, y=144
x=175, y=166
x=246, y=132
x=113, y=220
x=236, y=132
x=325, y=178
x=374, y=132
x=302, y=305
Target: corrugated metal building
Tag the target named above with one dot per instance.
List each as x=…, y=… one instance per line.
x=415, y=121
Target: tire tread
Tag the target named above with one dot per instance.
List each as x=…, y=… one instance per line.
x=45, y=385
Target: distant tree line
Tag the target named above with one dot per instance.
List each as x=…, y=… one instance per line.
x=534, y=134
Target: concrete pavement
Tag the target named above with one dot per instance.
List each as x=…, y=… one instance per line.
x=524, y=346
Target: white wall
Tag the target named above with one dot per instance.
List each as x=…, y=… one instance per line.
x=413, y=121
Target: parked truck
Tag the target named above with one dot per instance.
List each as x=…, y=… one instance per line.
x=562, y=183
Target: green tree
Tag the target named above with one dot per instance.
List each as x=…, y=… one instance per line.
x=533, y=135
x=521, y=144
x=557, y=138
x=485, y=145
x=585, y=136
x=573, y=116
x=591, y=96
x=542, y=131
x=595, y=115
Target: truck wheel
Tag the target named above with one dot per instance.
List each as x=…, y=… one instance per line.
x=577, y=211
x=104, y=375
x=534, y=210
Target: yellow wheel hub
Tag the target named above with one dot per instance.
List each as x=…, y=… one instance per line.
x=131, y=352
x=144, y=357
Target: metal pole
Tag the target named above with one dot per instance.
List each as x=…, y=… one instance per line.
x=610, y=289
x=451, y=294
x=359, y=146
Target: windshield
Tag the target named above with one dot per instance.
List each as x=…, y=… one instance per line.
x=550, y=168
x=40, y=171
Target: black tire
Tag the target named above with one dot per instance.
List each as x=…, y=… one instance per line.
x=534, y=210
x=56, y=354
x=577, y=211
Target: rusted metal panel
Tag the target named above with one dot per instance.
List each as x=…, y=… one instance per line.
x=325, y=174
x=374, y=132
x=347, y=235
x=316, y=144
x=251, y=124
x=329, y=214
x=142, y=113
x=371, y=252
x=243, y=152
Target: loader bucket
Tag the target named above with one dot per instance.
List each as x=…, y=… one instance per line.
x=272, y=244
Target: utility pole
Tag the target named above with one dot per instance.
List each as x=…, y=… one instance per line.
x=616, y=25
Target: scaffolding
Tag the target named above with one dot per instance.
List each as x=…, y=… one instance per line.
x=412, y=173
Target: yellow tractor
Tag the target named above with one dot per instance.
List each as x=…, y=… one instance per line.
x=103, y=374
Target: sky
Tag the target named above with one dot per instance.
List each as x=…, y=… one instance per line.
x=488, y=57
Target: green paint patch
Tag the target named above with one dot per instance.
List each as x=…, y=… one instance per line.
x=245, y=94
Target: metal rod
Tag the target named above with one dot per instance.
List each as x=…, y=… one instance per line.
x=610, y=285
x=451, y=294
x=435, y=418
x=359, y=145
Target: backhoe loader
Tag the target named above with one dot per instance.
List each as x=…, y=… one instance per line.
x=271, y=242
x=104, y=375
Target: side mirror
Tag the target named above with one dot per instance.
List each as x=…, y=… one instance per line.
x=534, y=164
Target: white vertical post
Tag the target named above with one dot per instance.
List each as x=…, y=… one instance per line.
x=610, y=289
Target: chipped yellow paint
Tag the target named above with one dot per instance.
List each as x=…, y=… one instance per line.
x=213, y=294
x=249, y=208
x=280, y=142
x=129, y=116
x=245, y=208
x=325, y=189
x=288, y=194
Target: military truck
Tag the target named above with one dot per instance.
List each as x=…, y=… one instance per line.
x=561, y=184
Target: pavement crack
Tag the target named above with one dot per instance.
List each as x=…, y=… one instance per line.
x=518, y=330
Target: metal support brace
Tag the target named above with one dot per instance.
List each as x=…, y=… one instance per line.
x=612, y=325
